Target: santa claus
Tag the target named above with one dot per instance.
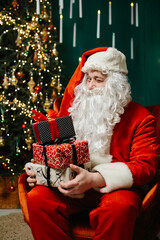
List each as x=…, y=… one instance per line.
x=124, y=153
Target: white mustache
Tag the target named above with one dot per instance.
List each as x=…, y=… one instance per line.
x=93, y=92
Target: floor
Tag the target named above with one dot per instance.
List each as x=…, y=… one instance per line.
x=8, y=211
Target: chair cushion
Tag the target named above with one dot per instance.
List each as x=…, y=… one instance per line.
x=80, y=226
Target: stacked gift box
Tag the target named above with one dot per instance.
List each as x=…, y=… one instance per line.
x=48, y=131
x=55, y=146
x=61, y=155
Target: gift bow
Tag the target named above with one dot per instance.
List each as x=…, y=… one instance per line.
x=39, y=117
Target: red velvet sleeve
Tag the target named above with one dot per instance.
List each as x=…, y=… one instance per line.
x=145, y=154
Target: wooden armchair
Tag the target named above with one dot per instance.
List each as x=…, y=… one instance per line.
x=147, y=225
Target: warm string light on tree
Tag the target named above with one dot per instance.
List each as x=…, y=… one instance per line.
x=30, y=70
x=40, y=51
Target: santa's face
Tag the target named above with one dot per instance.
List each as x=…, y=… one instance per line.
x=95, y=79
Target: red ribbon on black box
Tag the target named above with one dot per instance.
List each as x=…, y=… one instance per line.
x=47, y=131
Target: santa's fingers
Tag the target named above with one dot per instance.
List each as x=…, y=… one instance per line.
x=69, y=184
x=76, y=168
x=68, y=191
x=30, y=173
x=31, y=181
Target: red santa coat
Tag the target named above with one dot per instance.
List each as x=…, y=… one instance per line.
x=134, y=145
x=134, y=148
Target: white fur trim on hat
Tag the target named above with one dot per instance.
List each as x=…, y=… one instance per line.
x=117, y=175
x=105, y=61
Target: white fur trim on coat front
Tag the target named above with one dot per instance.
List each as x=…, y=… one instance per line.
x=117, y=175
x=100, y=158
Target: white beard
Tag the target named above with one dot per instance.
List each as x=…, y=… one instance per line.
x=95, y=113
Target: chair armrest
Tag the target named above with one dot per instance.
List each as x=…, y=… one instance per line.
x=23, y=188
x=57, y=104
x=148, y=224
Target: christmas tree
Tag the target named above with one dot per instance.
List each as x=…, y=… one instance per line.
x=30, y=73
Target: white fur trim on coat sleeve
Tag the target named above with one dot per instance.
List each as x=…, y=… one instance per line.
x=117, y=176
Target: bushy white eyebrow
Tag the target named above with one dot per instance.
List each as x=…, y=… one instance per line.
x=96, y=76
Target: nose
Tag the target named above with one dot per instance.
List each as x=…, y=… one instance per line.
x=91, y=84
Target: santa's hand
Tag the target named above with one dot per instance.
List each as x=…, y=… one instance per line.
x=32, y=160
x=83, y=181
x=31, y=177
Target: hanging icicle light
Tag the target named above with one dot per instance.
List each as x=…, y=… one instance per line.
x=98, y=23
x=132, y=13
x=110, y=13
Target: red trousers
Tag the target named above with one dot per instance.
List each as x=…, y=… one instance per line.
x=112, y=216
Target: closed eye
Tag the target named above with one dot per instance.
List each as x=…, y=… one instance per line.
x=99, y=80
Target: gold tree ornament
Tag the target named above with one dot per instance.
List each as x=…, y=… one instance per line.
x=1, y=98
x=19, y=38
x=45, y=35
x=53, y=83
x=47, y=104
x=34, y=97
x=42, y=65
x=45, y=15
x=54, y=51
x=14, y=80
x=2, y=142
x=29, y=142
x=59, y=87
x=35, y=58
x=33, y=24
x=5, y=83
x=31, y=85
